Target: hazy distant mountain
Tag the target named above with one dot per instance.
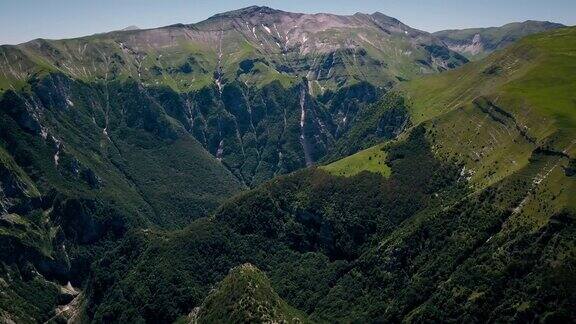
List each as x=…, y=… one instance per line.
x=476, y=43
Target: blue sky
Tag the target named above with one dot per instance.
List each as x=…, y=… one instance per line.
x=23, y=20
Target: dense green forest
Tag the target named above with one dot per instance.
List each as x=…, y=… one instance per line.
x=328, y=241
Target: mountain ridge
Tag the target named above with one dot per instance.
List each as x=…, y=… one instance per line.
x=282, y=38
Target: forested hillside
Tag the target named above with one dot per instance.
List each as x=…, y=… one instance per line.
x=266, y=166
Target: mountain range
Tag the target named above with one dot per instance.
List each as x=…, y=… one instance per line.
x=267, y=166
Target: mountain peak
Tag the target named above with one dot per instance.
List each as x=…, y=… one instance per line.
x=380, y=16
x=248, y=11
x=245, y=296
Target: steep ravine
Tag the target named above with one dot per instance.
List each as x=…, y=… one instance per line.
x=303, y=136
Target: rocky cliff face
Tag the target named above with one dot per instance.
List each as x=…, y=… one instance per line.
x=260, y=133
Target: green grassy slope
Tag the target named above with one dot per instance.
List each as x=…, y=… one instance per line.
x=498, y=110
x=538, y=68
x=371, y=160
